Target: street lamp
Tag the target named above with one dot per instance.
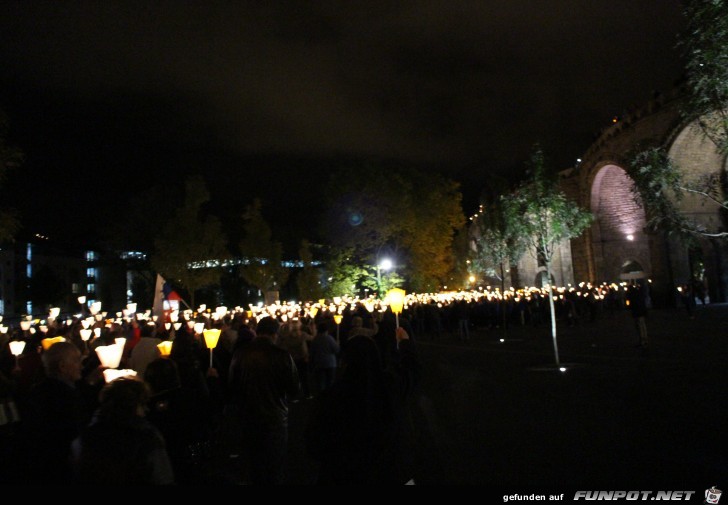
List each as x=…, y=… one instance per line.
x=385, y=264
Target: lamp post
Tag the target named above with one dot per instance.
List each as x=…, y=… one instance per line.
x=385, y=265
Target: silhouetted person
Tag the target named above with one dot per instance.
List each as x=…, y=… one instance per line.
x=262, y=378
x=120, y=446
x=356, y=431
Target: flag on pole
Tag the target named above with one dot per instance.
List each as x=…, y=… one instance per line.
x=164, y=298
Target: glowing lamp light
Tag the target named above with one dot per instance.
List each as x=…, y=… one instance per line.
x=562, y=369
x=97, y=332
x=81, y=299
x=502, y=340
x=17, y=347
x=3, y=329
x=131, y=307
x=177, y=326
x=110, y=355
x=211, y=337
x=167, y=326
x=48, y=342
x=54, y=313
x=395, y=300
x=199, y=327
x=95, y=308
x=165, y=348
x=25, y=325
x=338, y=318
x=313, y=311
x=112, y=375
x=471, y=279
x=85, y=334
x=630, y=237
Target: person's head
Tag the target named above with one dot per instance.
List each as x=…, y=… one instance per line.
x=267, y=327
x=148, y=331
x=123, y=398
x=357, y=322
x=62, y=361
x=162, y=374
x=322, y=328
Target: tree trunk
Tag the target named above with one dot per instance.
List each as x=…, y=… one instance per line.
x=503, y=291
x=553, y=312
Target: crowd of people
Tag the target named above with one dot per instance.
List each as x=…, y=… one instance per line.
x=188, y=418
x=185, y=418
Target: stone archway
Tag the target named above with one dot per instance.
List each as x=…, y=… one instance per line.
x=619, y=221
x=697, y=157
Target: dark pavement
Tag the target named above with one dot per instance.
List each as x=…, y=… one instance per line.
x=500, y=415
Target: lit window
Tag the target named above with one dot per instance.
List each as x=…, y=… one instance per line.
x=91, y=288
x=91, y=272
x=29, y=271
x=91, y=256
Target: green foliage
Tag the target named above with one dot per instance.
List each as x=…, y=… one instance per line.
x=412, y=214
x=190, y=236
x=705, y=44
x=344, y=273
x=308, y=279
x=541, y=214
x=660, y=185
x=499, y=243
x=10, y=157
x=265, y=270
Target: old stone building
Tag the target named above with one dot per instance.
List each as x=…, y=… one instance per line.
x=617, y=242
x=617, y=245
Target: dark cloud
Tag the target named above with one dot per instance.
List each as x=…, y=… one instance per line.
x=467, y=86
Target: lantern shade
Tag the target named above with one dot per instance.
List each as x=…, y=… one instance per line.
x=165, y=348
x=81, y=300
x=54, y=312
x=338, y=318
x=86, y=334
x=177, y=326
x=313, y=311
x=395, y=299
x=110, y=374
x=25, y=325
x=211, y=337
x=199, y=327
x=48, y=342
x=110, y=355
x=17, y=347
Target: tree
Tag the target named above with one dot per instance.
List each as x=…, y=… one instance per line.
x=189, y=241
x=498, y=244
x=343, y=273
x=308, y=279
x=659, y=184
x=264, y=270
x=542, y=214
x=412, y=214
x=10, y=157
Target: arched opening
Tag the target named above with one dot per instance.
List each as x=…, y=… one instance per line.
x=619, y=222
x=632, y=269
x=705, y=264
x=542, y=280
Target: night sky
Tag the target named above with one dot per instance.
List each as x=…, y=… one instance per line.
x=265, y=98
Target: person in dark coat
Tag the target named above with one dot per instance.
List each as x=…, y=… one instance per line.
x=120, y=446
x=55, y=413
x=356, y=430
x=637, y=298
x=263, y=377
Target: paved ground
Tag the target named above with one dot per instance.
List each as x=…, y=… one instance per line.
x=618, y=417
